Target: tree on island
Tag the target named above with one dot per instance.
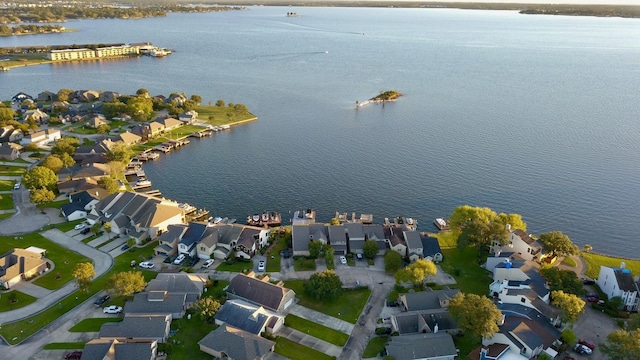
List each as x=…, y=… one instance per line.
x=558, y=243
x=386, y=96
x=475, y=314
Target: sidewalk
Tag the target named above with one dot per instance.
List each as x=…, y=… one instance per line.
x=322, y=319
x=310, y=341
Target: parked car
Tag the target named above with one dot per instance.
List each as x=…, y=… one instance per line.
x=593, y=298
x=85, y=231
x=581, y=349
x=587, y=343
x=286, y=254
x=80, y=226
x=567, y=357
x=124, y=247
x=180, y=259
x=16, y=186
x=112, y=309
x=588, y=282
x=193, y=261
x=261, y=265
x=146, y=265
x=359, y=256
x=101, y=300
x=73, y=355
x=343, y=260
x=207, y=263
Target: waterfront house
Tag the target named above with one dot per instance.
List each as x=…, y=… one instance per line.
x=91, y=171
x=301, y=235
x=430, y=346
x=128, y=138
x=189, y=117
x=228, y=342
x=21, y=264
x=618, y=282
x=20, y=97
x=521, y=244
x=150, y=327
x=228, y=235
x=47, y=96
x=260, y=292
x=178, y=99
x=84, y=96
x=108, y=349
x=191, y=237
x=248, y=317
x=338, y=239
x=170, y=123
x=207, y=244
x=108, y=96
x=37, y=115
x=375, y=232
x=395, y=239
x=168, y=241
x=355, y=237
x=414, y=245
x=250, y=240
x=431, y=249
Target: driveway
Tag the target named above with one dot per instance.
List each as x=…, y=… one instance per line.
x=594, y=326
x=27, y=218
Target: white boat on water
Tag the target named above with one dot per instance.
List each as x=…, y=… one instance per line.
x=217, y=220
x=158, y=52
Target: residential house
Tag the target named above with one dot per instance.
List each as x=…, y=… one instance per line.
x=375, y=232
x=228, y=235
x=521, y=244
x=430, y=346
x=37, y=115
x=70, y=186
x=228, y=342
x=147, y=328
x=9, y=152
x=494, y=352
x=20, y=97
x=157, y=303
x=425, y=312
x=128, y=138
x=10, y=134
x=178, y=99
x=355, y=237
x=88, y=198
x=190, y=238
x=41, y=137
x=414, y=245
x=301, y=235
x=260, y=292
x=251, y=239
x=168, y=241
x=73, y=211
x=431, y=249
x=114, y=349
x=395, y=239
x=21, y=264
x=189, y=117
x=248, y=317
x=47, y=96
x=208, y=243
x=84, y=96
x=96, y=121
x=148, y=131
x=108, y=96
x=497, y=258
x=170, y=123
x=91, y=171
x=618, y=282
x=427, y=300
x=191, y=285
x=338, y=239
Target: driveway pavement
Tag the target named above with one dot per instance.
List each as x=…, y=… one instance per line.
x=32, y=289
x=320, y=318
x=310, y=341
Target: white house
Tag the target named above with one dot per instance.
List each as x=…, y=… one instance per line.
x=618, y=282
x=521, y=244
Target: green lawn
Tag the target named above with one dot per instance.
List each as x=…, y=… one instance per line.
x=92, y=324
x=12, y=170
x=295, y=351
x=316, y=330
x=65, y=226
x=463, y=266
x=17, y=161
x=24, y=60
x=447, y=239
x=6, y=202
x=221, y=115
x=304, y=264
x=273, y=265
x=569, y=262
x=594, y=261
x=17, y=331
x=184, y=344
x=54, y=205
x=64, y=346
x=6, y=185
x=6, y=215
x=347, y=307
x=236, y=266
x=21, y=300
x=375, y=346
x=466, y=344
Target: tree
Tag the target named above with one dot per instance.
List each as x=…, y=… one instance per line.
x=65, y=145
x=107, y=228
x=6, y=114
x=323, y=286
x=42, y=195
x=417, y=272
x=570, y=305
x=196, y=99
x=53, y=162
x=482, y=234
x=315, y=247
x=140, y=108
x=63, y=94
x=565, y=280
x=514, y=220
x=334, y=222
x=207, y=306
x=31, y=147
x=126, y=283
x=67, y=160
x=83, y=273
x=558, y=243
x=142, y=92
x=95, y=228
x=622, y=345
x=370, y=249
x=103, y=129
x=587, y=248
x=464, y=214
x=392, y=261
x=120, y=152
x=634, y=322
x=110, y=184
x=220, y=103
x=40, y=177
x=568, y=336
x=476, y=314
x=329, y=256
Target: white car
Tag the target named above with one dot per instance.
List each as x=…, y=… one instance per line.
x=207, y=263
x=112, y=309
x=180, y=259
x=261, y=265
x=146, y=265
x=343, y=260
x=16, y=186
x=80, y=226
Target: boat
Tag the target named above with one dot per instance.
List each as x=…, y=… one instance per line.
x=158, y=52
x=217, y=219
x=408, y=223
x=441, y=224
x=267, y=218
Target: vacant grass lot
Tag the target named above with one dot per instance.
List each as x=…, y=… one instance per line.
x=594, y=261
x=273, y=265
x=462, y=264
x=222, y=115
x=295, y=351
x=316, y=330
x=447, y=239
x=21, y=300
x=236, y=266
x=304, y=264
x=347, y=307
x=375, y=346
x=24, y=60
x=92, y=324
x=6, y=202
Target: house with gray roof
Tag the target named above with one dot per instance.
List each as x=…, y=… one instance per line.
x=192, y=285
x=519, y=282
x=427, y=300
x=430, y=346
x=248, y=317
x=191, y=237
x=301, y=235
x=114, y=349
x=232, y=343
x=147, y=327
x=431, y=249
x=618, y=282
x=375, y=232
x=422, y=322
x=338, y=239
x=251, y=239
x=395, y=239
x=521, y=244
x=207, y=244
x=260, y=292
x=355, y=237
x=9, y=152
x=168, y=241
x=157, y=303
x=228, y=235
x=414, y=245
x=73, y=211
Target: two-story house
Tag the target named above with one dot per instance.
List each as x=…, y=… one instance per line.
x=618, y=282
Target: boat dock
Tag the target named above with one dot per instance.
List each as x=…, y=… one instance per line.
x=442, y=224
x=363, y=219
x=265, y=219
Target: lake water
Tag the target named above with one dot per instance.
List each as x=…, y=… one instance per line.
x=536, y=115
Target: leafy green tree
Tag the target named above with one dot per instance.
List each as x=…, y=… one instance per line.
x=476, y=315
x=119, y=152
x=113, y=109
x=103, y=129
x=63, y=94
x=142, y=92
x=615, y=303
x=107, y=228
x=40, y=177
x=241, y=108
x=417, y=272
x=587, y=248
x=110, y=184
x=196, y=98
x=514, y=220
x=558, y=243
x=53, y=162
x=465, y=214
x=95, y=228
x=634, y=322
x=140, y=108
x=568, y=336
x=42, y=195
x=392, y=261
x=622, y=345
x=329, y=256
x=207, y=306
x=482, y=234
x=370, y=249
x=65, y=145
x=315, y=248
x=565, y=280
x=220, y=103
x=570, y=305
x=334, y=222
x=31, y=147
x=67, y=160
x=126, y=283
x=83, y=273
x=6, y=114
x=323, y=286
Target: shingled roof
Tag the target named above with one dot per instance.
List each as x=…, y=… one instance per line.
x=236, y=344
x=257, y=291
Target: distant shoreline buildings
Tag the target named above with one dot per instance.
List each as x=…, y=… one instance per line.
x=117, y=50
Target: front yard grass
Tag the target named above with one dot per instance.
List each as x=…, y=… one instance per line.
x=6, y=202
x=222, y=115
x=65, y=226
x=53, y=205
x=462, y=264
x=235, y=266
x=6, y=185
x=6, y=215
x=12, y=170
x=14, y=300
x=466, y=344
x=569, y=262
x=92, y=324
x=316, y=330
x=594, y=261
x=295, y=351
x=183, y=345
x=304, y=264
x=347, y=307
x=447, y=239
x=64, y=346
x=375, y=346
x=273, y=265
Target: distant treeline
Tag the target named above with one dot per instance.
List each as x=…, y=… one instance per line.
x=30, y=29
x=19, y=14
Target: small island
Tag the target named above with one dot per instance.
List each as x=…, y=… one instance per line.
x=389, y=95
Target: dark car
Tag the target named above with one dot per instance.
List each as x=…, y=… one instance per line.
x=593, y=298
x=588, y=282
x=193, y=261
x=124, y=247
x=101, y=300
x=73, y=355
x=85, y=231
x=286, y=254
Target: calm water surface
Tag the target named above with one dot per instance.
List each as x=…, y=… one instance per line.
x=536, y=115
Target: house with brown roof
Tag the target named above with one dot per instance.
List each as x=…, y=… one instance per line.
x=168, y=240
x=521, y=244
x=21, y=264
x=170, y=123
x=228, y=342
x=37, y=115
x=260, y=292
x=114, y=349
x=395, y=239
x=47, y=96
x=128, y=138
x=96, y=121
x=108, y=96
x=92, y=171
